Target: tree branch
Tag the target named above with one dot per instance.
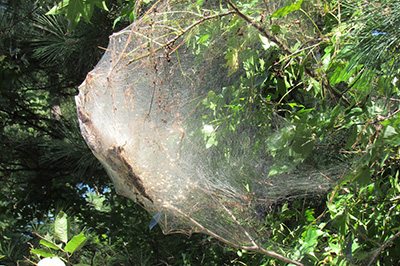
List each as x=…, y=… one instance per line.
x=383, y=246
x=183, y=32
x=255, y=247
x=261, y=29
x=285, y=49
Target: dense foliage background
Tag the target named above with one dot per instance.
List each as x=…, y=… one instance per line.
x=341, y=84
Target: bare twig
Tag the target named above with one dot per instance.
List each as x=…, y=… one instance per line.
x=285, y=49
x=183, y=32
x=395, y=198
x=255, y=247
x=271, y=37
x=380, y=119
x=382, y=247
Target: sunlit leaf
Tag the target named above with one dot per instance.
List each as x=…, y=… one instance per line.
x=75, y=10
x=311, y=237
x=102, y=5
x=211, y=142
x=42, y=252
x=116, y=21
x=58, y=9
x=49, y=244
x=203, y=38
x=287, y=9
x=87, y=12
x=232, y=57
x=76, y=243
x=61, y=227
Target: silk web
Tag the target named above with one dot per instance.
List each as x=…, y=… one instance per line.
x=145, y=111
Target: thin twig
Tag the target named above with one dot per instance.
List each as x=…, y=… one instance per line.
x=285, y=49
x=220, y=238
x=183, y=32
x=128, y=40
x=383, y=246
x=28, y=260
x=395, y=198
x=387, y=117
x=273, y=38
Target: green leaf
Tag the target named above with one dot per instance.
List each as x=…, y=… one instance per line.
x=309, y=215
x=275, y=28
x=75, y=9
x=42, y=252
x=363, y=176
x=74, y=12
x=340, y=222
x=49, y=244
x=203, y=38
x=348, y=249
x=232, y=57
x=102, y=5
x=76, y=243
x=352, y=138
x=59, y=9
x=286, y=10
x=355, y=111
x=239, y=253
x=311, y=237
x=282, y=89
x=326, y=8
x=273, y=172
x=326, y=60
x=61, y=227
x=116, y=21
x=303, y=143
x=316, y=86
x=87, y=12
x=211, y=142
x=334, y=115
x=310, y=241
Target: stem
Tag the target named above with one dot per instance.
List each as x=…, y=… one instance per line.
x=183, y=32
x=285, y=49
x=383, y=246
x=312, y=21
x=273, y=38
x=255, y=247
